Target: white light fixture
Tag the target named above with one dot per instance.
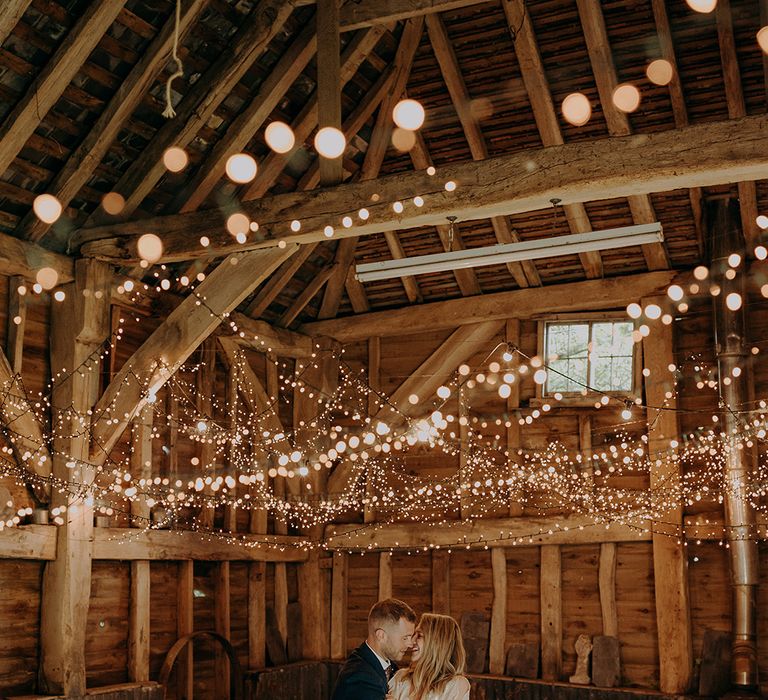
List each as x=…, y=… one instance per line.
x=512, y=252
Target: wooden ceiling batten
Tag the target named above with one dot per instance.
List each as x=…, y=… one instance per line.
x=734, y=96
x=537, y=87
x=601, y=58
x=525, y=273
x=201, y=101
x=374, y=157
x=85, y=159
x=62, y=66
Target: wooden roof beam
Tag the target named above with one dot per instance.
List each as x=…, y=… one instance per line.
x=697, y=156
x=601, y=58
x=12, y=12
x=84, y=160
x=525, y=273
x=48, y=86
x=202, y=100
x=374, y=157
x=461, y=345
x=174, y=340
x=679, y=109
x=734, y=95
x=591, y=295
x=365, y=13
x=314, y=285
x=537, y=87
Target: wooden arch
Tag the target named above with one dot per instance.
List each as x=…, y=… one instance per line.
x=235, y=672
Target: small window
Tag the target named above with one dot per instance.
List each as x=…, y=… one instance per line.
x=591, y=355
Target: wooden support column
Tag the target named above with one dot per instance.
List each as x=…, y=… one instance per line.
x=329, y=82
x=17, y=319
x=78, y=329
x=551, y=613
x=230, y=511
x=607, y=584
x=339, y=587
x=516, y=494
x=205, y=381
x=374, y=381
x=257, y=603
x=498, y=646
x=385, y=575
x=222, y=626
x=465, y=475
x=139, y=610
x=314, y=610
x=185, y=624
x=441, y=582
x=670, y=563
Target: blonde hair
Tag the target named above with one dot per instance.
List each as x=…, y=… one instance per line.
x=442, y=655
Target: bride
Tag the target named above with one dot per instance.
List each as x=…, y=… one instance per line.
x=437, y=663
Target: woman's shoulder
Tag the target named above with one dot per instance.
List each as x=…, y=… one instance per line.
x=459, y=686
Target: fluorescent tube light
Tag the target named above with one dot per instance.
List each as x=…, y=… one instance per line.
x=512, y=252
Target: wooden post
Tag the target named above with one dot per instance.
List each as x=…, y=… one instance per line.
x=257, y=595
x=139, y=611
x=17, y=319
x=204, y=403
x=185, y=624
x=374, y=381
x=172, y=419
x=551, y=613
x=497, y=651
x=385, y=575
x=512, y=336
x=441, y=582
x=670, y=563
x=465, y=475
x=78, y=328
x=339, y=605
x=329, y=82
x=222, y=627
x=607, y=583
x=313, y=597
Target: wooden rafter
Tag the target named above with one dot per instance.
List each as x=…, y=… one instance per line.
x=525, y=273
x=700, y=155
x=465, y=279
x=84, y=160
x=462, y=344
x=275, y=284
x=61, y=67
x=202, y=100
x=590, y=295
x=245, y=126
x=537, y=87
x=734, y=96
x=604, y=70
x=370, y=12
x=24, y=259
x=679, y=109
x=13, y=11
x=307, y=294
x=174, y=340
x=374, y=157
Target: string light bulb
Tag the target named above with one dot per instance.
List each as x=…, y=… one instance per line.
x=47, y=208
x=330, y=142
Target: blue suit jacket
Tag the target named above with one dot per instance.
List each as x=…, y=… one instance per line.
x=361, y=677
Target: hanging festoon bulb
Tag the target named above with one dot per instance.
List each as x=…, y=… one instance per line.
x=634, y=310
x=443, y=392
x=762, y=221
x=175, y=159
x=47, y=208
x=660, y=72
x=113, y=203
x=576, y=109
x=733, y=301
x=241, y=168
x=238, y=223
x=47, y=277
x=703, y=6
x=626, y=97
x=409, y=115
x=279, y=137
x=330, y=142
x=675, y=292
x=150, y=247
x=762, y=39
x=626, y=413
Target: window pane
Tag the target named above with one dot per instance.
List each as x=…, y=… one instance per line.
x=555, y=381
x=600, y=378
x=577, y=373
x=557, y=340
x=621, y=374
x=578, y=339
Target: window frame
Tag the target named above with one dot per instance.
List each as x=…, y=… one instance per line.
x=588, y=399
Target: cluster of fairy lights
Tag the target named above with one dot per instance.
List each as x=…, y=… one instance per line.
x=247, y=453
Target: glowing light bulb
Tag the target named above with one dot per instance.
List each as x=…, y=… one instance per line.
x=703, y=6
x=397, y=207
x=576, y=109
x=328, y=231
x=675, y=292
x=762, y=39
x=540, y=376
x=626, y=414
x=734, y=259
x=408, y=114
x=634, y=310
x=653, y=311
x=413, y=399
x=762, y=221
x=47, y=277
x=733, y=301
x=175, y=159
x=701, y=273
x=330, y=142
x=450, y=186
x=241, y=168
x=202, y=426
x=626, y=97
x=761, y=252
x=279, y=137
x=150, y=247
x=504, y=391
x=47, y=208
x=237, y=223
x=443, y=392
x=403, y=139
x=113, y=203
x=660, y=72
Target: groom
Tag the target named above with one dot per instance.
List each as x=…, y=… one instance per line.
x=367, y=671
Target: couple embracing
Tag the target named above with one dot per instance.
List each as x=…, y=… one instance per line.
x=437, y=658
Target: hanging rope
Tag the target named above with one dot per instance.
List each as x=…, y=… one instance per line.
x=169, y=111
